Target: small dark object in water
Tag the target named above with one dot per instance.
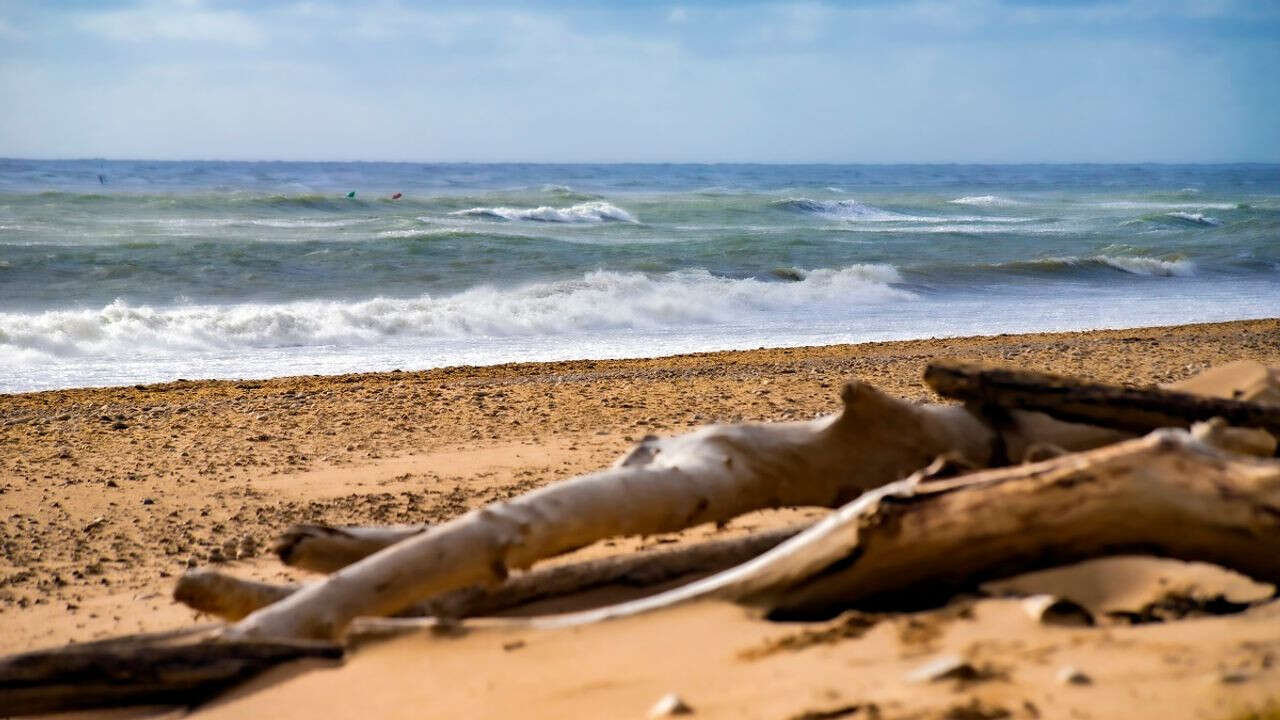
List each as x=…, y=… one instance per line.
x=397, y=196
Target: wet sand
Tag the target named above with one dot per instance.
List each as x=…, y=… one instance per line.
x=106, y=495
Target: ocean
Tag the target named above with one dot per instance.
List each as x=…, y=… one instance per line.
x=122, y=272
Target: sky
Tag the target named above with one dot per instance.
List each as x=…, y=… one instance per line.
x=877, y=81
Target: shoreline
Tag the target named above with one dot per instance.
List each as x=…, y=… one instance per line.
x=108, y=494
x=538, y=365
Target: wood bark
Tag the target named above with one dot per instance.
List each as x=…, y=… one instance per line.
x=663, y=485
x=173, y=668
x=233, y=598
x=913, y=542
x=1137, y=410
x=321, y=548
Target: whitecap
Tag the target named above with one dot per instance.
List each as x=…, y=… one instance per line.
x=985, y=201
x=587, y=212
x=1141, y=265
x=1151, y=205
x=1194, y=218
x=597, y=302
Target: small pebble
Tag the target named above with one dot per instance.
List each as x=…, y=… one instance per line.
x=1233, y=677
x=1071, y=675
x=670, y=704
x=945, y=667
x=1052, y=610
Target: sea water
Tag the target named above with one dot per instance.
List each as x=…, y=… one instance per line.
x=115, y=272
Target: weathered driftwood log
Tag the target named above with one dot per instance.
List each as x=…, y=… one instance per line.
x=1165, y=494
x=233, y=598
x=171, y=668
x=1136, y=410
x=663, y=485
x=324, y=549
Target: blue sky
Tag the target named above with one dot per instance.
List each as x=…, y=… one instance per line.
x=916, y=81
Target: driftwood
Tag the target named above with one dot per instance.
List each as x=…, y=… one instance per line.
x=901, y=542
x=172, y=668
x=233, y=598
x=710, y=475
x=1137, y=410
x=914, y=542
x=325, y=549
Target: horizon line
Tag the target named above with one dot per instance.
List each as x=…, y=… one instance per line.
x=647, y=162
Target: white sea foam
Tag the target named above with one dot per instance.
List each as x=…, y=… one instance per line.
x=854, y=211
x=1153, y=205
x=586, y=212
x=597, y=302
x=985, y=201
x=1195, y=218
x=1140, y=265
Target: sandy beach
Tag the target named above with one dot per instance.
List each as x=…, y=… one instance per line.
x=108, y=494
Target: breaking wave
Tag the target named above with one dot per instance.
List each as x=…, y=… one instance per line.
x=840, y=210
x=587, y=212
x=1131, y=264
x=1194, y=218
x=984, y=201
x=599, y=301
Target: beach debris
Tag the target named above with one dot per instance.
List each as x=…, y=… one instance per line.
x=1072, y=675
x=718, y=472
x=322, y=548
x=669, y=705
x=1167, y=493
x=173, y=667
x=1052, y=610
x=1246, y=441
x=1137, y=410
x=233, y=598
x=1195, y=502
x=944, y=667
x=709, y=475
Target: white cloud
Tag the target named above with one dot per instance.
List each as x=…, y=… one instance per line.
x=185, y=21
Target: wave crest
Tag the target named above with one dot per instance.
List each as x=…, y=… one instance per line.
x=1131, y=264
x=586, y=212
x=984, y=201
x=594, y=302
x=838, y=209
x=1194, y=218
